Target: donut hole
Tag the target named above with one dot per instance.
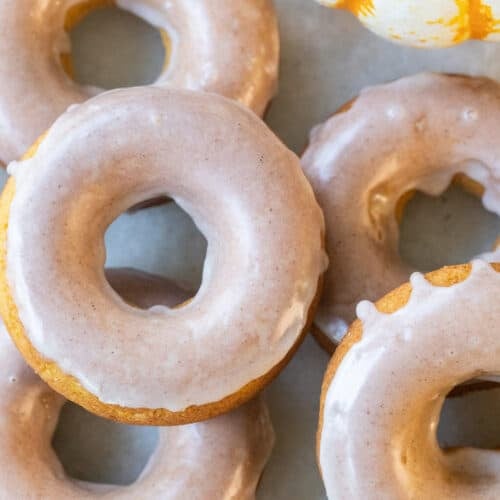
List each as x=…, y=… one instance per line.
x=469, y=417
x=96, y=450
x=113, y=48
x=162, y=240
x=451, y=228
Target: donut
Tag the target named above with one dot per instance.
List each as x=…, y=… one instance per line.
x=385, y=386
x=230, y=48
x=440, y=23
x=196, y=461
x=417, y=133
x=247, y=194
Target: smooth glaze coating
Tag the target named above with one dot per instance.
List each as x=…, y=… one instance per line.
x=415, y=133
x=420, y=23
x=380, y=411
x=247, y=194
x=231, y=48
x=218, y=459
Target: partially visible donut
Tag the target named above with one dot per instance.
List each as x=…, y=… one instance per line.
x=420, y=23
x=196, y=461
x=230, y=48
x=417, y=133
x=385, y=386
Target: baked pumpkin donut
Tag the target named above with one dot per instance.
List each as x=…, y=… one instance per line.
x=247, y=194
x=440, y=23
x=385, y=386
x=196, y=461
x=417, y=133
x=230, y=48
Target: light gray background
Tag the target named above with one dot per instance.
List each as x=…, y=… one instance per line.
x=327, y=57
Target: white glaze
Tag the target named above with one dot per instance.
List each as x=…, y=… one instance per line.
x=246, y=193
x=415, y=133
x=230, y=48
x=382, y=406
x=218, y=459
x=436, y=23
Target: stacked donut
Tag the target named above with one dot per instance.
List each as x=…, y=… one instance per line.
x=140, y=349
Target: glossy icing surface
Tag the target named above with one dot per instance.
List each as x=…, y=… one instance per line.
x=415, y=133
x=231, y=48
x=220, y=458
x=246, y=193
x=439, y=23
x=382, y=406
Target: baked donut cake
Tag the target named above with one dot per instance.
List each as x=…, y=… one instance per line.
x=247, y=194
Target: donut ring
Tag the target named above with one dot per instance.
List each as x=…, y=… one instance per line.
x=196, y=461
x=440, y=23
x=230, y=48
x=386, y=384
x=417, y=133
x=246, y=192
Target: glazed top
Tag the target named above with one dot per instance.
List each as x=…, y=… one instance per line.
x=383, y=404
x=231, y=48
x=246, y=193
x=414, y=133
x=219, y=459
x=439, y=23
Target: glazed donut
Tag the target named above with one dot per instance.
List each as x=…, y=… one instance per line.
x=386, y=384
x=417, y=133
x=231, y=48
x=440, y=23
x=196, y=461
x=245, y=191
